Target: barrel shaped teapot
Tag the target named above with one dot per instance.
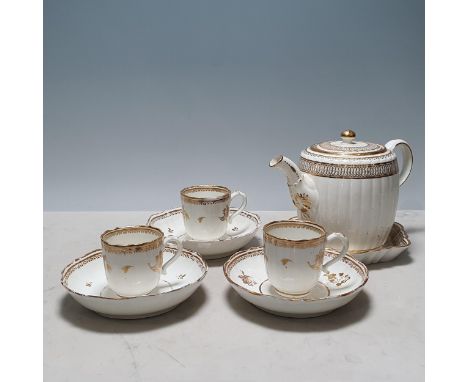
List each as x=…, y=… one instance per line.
x=349, y=186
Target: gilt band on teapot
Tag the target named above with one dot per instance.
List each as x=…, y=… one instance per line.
x=348, y=171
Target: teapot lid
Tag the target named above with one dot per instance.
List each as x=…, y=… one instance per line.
x=348, y=147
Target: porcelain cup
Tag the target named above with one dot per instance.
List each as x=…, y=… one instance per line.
x=206, y=210
x=133, y=258
x=294, y=252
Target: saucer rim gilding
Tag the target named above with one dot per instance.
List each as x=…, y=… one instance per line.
x=256, y=251
x=178, y=210
x=97, y=253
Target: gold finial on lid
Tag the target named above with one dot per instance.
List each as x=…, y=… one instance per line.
x=348, y=134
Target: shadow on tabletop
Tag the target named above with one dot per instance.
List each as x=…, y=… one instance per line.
x=356, y=310
x=215, y=263
x=403, y=259
x=79, y=316
x=255, y=242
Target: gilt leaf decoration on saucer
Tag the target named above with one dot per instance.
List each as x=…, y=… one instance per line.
x=338, y=279
x=247, y=279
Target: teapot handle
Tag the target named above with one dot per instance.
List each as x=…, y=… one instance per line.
x=407, y=157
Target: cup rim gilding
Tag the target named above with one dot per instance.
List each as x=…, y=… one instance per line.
x=186, y=197
x=131, y=248
x=293, y=243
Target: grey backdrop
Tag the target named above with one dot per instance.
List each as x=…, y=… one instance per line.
x=142, y=98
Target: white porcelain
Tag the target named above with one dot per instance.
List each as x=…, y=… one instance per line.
x=349, y=186
x=246, y=272
x=397, y=242
x=133, y=258
x=240, y=232
x=85, y=280
x=294, y=252
x=206, y=210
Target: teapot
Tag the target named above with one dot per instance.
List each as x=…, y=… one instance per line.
x=349, y=186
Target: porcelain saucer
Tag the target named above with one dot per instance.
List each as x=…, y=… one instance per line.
x=246, y=272
x=240, y=232
x=85, y=281
x=396, y=243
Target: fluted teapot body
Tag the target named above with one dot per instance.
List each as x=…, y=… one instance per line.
x=349, y=186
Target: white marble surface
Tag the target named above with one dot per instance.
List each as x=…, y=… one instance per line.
x=217, y=336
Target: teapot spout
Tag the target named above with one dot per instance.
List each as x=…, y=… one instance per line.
x=301, y=186
x=288, y=168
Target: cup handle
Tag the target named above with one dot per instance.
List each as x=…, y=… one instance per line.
x=242, y=206
x=172, y=239
x=407, y=157
x=344, y=241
